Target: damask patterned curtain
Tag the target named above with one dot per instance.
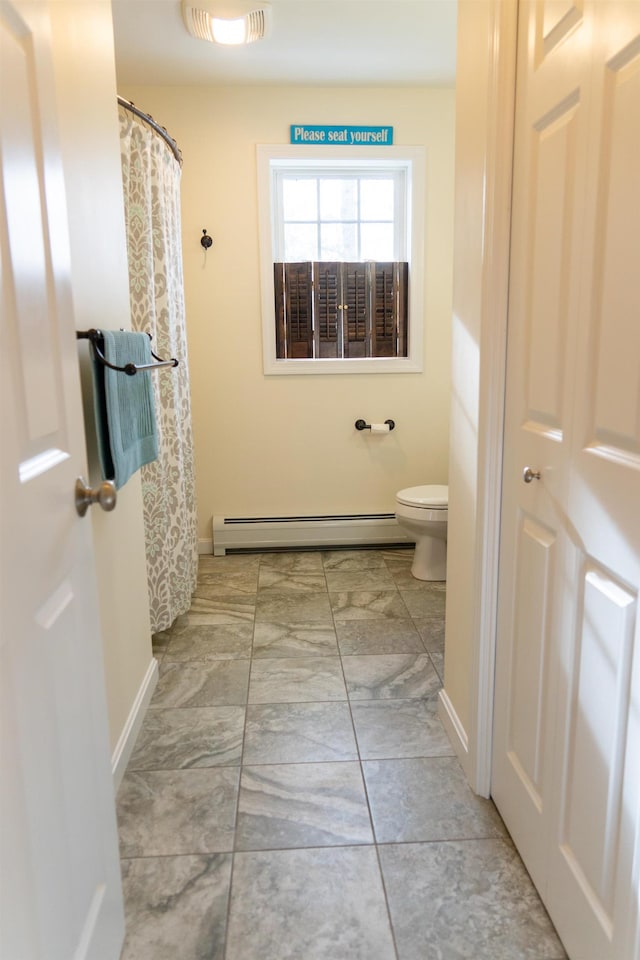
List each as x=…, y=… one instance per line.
x=151, y=180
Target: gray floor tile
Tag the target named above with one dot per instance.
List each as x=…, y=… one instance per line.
x=432, y=634
x=368, y=605
x=228, y=609
x=400, y=571
x=426, y=799
x=298, y=679
x=293, y=562
x=316, y=639
x=164, y=812
x=376, y=578
x=176, y=907
x=172, y=739
x=320, y=904
x=276, y=582
x=231, y=563
x=226, y=641
x=299, y=733
x=302, y=805
x=465, y=900
x=293, y=609
x=399, y=558
x=390, y=676
x=399, y=728
x=427, y=602
x=395, y=554
x=159, y=644
x=202, y=684
x=307, y=883
x=352, y=559
x=378, y=636
x=213, y=585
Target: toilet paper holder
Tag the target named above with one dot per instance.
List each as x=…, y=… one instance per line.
x=362, y=425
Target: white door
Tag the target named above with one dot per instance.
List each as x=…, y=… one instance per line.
x=60, y=895
x=566, y=767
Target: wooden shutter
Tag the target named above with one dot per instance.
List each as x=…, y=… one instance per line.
x=294, y=319
x=356, y=310
x=389, y=314
x=327, y=312
x=331, y=310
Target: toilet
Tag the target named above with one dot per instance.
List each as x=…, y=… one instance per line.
x=422, y=513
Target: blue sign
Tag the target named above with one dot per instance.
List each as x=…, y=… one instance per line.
x=343, y=135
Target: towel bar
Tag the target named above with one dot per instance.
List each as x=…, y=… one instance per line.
x=129, y=368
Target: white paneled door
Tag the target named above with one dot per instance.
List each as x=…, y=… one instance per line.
x=566, y=766
x=60, y=894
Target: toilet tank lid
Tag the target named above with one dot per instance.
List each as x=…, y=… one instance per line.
x=429, y=495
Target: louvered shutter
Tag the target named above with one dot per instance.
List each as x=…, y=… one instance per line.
x=356, y=310
x=331, y=309
x=294, y=319
x=389, y=314
x=326, y=306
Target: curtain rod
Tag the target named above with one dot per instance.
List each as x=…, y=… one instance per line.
x=173, y=146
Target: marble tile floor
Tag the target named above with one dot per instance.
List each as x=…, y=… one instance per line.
x=292, y=794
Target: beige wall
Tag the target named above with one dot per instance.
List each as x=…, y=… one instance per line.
x=85, y=76
x=484, y=116
x=466, y=329
x=287, y=445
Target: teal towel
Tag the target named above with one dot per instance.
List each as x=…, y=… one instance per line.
x=125, y=415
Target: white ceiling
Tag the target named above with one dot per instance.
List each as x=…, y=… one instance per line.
x=312, y=42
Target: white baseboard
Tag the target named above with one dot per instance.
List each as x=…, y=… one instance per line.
x=454, y=730
x=126, y=742
x=205, y=546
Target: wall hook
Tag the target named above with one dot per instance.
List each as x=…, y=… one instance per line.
x=206, y=240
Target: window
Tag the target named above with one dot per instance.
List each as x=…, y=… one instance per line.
x=339, y=214
x=341, y=242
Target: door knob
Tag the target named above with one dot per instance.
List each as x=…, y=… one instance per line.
x=528, y=474
x=105, y=495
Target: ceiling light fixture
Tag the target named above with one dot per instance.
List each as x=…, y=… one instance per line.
x=234, y=22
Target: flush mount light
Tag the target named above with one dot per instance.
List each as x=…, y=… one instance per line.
x=227, y=22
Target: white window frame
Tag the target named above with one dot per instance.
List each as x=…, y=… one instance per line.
x=271, y=158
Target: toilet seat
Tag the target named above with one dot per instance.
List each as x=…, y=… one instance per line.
x=425, y=497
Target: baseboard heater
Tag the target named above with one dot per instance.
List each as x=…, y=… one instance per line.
x=299, y=533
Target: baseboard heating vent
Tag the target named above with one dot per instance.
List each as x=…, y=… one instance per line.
x=281, y=533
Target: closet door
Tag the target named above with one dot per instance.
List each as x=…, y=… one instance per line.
x=566, y=742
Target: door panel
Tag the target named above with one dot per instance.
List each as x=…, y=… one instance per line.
x=597, y=737
x=569, y=622
x=555, y=19
x=591, y=865
x=38, y=394
x=553, y=148
x=614, y=346
x=549, y=173
x=529, y=669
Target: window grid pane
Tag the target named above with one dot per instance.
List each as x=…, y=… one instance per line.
x=299, y=199
x=337, y=240
x=354, y=217
x=377, y=199
x=301, y=241
x=338, y=199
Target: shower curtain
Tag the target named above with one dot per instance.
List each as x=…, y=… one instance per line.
x=151, y=181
